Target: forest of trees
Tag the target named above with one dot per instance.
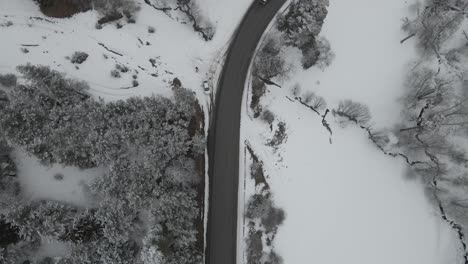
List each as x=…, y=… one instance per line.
x=435, y=127
x=301, y=25
x=146, y=208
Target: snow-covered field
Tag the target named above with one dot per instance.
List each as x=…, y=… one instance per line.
x=175, y=48
x=345, y=201
x=57, y=182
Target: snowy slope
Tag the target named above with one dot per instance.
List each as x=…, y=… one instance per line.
x=345, y=201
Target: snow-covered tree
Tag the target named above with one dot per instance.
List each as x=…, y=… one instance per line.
x=436, y=23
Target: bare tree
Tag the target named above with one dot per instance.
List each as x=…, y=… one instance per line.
x=353, y=111
x=436, y=23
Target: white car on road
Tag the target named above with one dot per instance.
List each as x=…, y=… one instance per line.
x=206, y=87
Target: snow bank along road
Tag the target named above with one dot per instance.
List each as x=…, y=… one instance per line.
x=224, y=134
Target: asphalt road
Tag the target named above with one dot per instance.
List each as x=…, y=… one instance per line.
x=224, y=135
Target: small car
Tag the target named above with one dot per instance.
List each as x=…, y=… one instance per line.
x=263, y=2
x=206, y=87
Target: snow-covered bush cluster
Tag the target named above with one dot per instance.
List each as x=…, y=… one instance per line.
x=146, y=202
x=301, y=25
x=263, y=217
x=269, y=62
x=79, y=57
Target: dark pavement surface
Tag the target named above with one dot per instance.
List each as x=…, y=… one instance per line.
x=224, y=135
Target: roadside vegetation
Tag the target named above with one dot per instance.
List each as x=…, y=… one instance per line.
x=298, y=28
x=263, y=216
x=146, y=206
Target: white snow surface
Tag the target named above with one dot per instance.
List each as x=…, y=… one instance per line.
x=38, y=182
x=176, y=48
x=345, y=201
x=370, y=62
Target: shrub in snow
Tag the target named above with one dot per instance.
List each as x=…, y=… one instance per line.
x=279, y=136
x=151, y=29
x=268, y=116
x=310, y=57
x=273, y=218
x=296, y=90
x=269, y=61
x=184, y=100
x=353, y=111
x=176, y=83
x=121, y=68
x=8, y=80
x=79, y=57
x=258, y=90
x=308, y=97
x=7, y=24
x=115, y=9
x=274, y=258
x=135, y=83
x=436, y=23
x=254, y=247
x=115, y=73
x=315, y=101
x=258, y=206
x=58, y=176
x=301, y=26
x=326, y=55
x=380, y=138
x=303, y=21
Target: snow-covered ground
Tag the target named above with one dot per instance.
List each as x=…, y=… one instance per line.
x=370, y=62
x=41, y=182
x=175, y=47
x=345, y=201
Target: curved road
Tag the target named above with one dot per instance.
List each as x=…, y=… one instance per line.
x=224, y=135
